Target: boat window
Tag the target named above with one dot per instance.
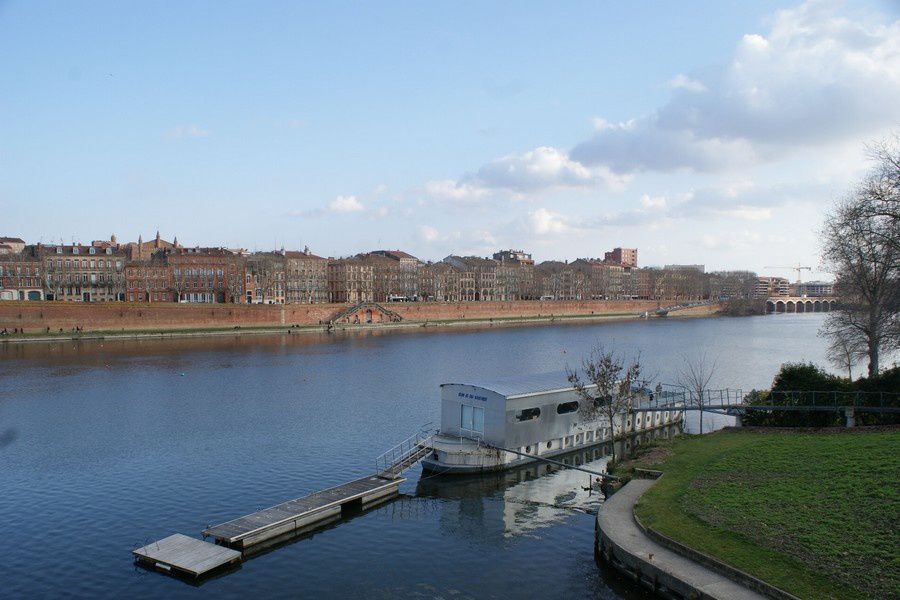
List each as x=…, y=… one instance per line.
x=602, y=401
x=472, y=418
x=567, y=407
x=527, y=414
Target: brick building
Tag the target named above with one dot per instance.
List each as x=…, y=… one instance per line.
x=627, y=257
x=20, y=275
x=439, y=282
x=207, y=275
x=80, y=273
x=150, y=280
x=11, y=245
x=402, y=274
x=559, y=281
x=766, y=287
x=265, y=278
x=514, y=276
x=350, y=280
x=477, y=277
x=306, y=277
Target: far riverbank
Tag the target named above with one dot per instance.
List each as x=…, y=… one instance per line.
x=501, y=321
x=49, y=321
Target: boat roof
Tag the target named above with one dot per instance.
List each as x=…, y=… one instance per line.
x=522, y=385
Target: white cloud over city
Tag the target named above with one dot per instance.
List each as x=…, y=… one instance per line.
x=759, y=142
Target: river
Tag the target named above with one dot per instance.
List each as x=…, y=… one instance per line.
x=108, y=445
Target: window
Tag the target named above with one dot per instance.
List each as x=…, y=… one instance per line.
x=92, y=250
x=109, y=250
x=472, y=418
x=74, y=250
x=567, y=407
x=528, y=414
x=59, y=249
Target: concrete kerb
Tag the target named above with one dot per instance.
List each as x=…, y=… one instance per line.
x=727, y=570
x=736, y=575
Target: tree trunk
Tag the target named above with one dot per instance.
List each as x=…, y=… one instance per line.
x=701, y=419
x=873, y=357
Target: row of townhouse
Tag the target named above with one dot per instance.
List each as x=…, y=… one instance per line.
x=163, y=271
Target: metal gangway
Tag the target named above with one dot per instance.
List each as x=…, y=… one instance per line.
x=406, y=454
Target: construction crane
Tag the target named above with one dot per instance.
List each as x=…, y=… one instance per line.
x=798, y=268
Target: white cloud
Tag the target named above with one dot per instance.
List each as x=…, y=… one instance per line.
x=428, y=233
x=448, y=189
x=345, y=204
x=654, y=202
x=542, y=169
x=546, y=222
x=815, y=78
x=187, y=131
x=683, y=82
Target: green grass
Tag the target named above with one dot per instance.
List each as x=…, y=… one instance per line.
x=815, y=514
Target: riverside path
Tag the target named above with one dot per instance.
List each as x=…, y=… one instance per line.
x=628, y=548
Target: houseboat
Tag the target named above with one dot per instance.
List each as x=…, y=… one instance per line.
x=534, y=416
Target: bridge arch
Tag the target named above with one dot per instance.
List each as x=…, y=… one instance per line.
x=780, y=306
x=801, y=306
x=790, y=306
x=770, y=306
x=817, y=306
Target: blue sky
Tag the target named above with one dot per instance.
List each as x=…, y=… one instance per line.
x=711, y=132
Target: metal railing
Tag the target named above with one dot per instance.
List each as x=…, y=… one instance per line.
x=825, y=400
x=405, y=454
x=723, y=399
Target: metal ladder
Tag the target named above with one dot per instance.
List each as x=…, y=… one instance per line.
x=406, y=454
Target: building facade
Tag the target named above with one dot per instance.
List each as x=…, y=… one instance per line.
x=20, y=275
x=306, y=277
x=80, y=273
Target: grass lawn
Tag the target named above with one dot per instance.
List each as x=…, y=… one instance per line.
x=816, y=514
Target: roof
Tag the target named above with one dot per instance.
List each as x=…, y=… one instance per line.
x=395, y=254
x=296, y=254
x=13, y=240
x=522, y=385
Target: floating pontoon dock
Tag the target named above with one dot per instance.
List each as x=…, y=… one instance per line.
x=186, y=556
x=300, y=514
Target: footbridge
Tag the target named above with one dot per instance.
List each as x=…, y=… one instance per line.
x=800, y=304
x=736, y=403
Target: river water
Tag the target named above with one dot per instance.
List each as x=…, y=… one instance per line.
x=108, y=445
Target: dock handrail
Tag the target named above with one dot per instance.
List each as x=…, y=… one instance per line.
x=405, y=454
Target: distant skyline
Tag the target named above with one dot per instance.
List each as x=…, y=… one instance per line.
x=713, y=132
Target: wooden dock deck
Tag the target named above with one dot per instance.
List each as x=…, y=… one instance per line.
x=183, y=555
x=303, y=513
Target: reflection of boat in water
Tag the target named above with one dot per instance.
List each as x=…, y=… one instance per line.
x=534, y=495
x=505, y=423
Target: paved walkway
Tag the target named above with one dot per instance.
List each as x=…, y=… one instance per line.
x=616, y=520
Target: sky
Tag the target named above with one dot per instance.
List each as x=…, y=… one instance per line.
x=711, y=132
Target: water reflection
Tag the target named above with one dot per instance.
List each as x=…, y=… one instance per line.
x=534, y=496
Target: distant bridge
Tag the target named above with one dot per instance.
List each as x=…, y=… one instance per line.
x=800, y=304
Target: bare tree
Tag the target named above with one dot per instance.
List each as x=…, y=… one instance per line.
x=846, y=346
x=695, y=375
x=861, y=246
x=610, y=377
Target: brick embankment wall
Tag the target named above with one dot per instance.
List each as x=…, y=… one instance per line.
x=36, y=317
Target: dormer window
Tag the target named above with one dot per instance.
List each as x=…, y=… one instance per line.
x=109, y=250
x=75, y=250
x=59, y=249
x=92, y=250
